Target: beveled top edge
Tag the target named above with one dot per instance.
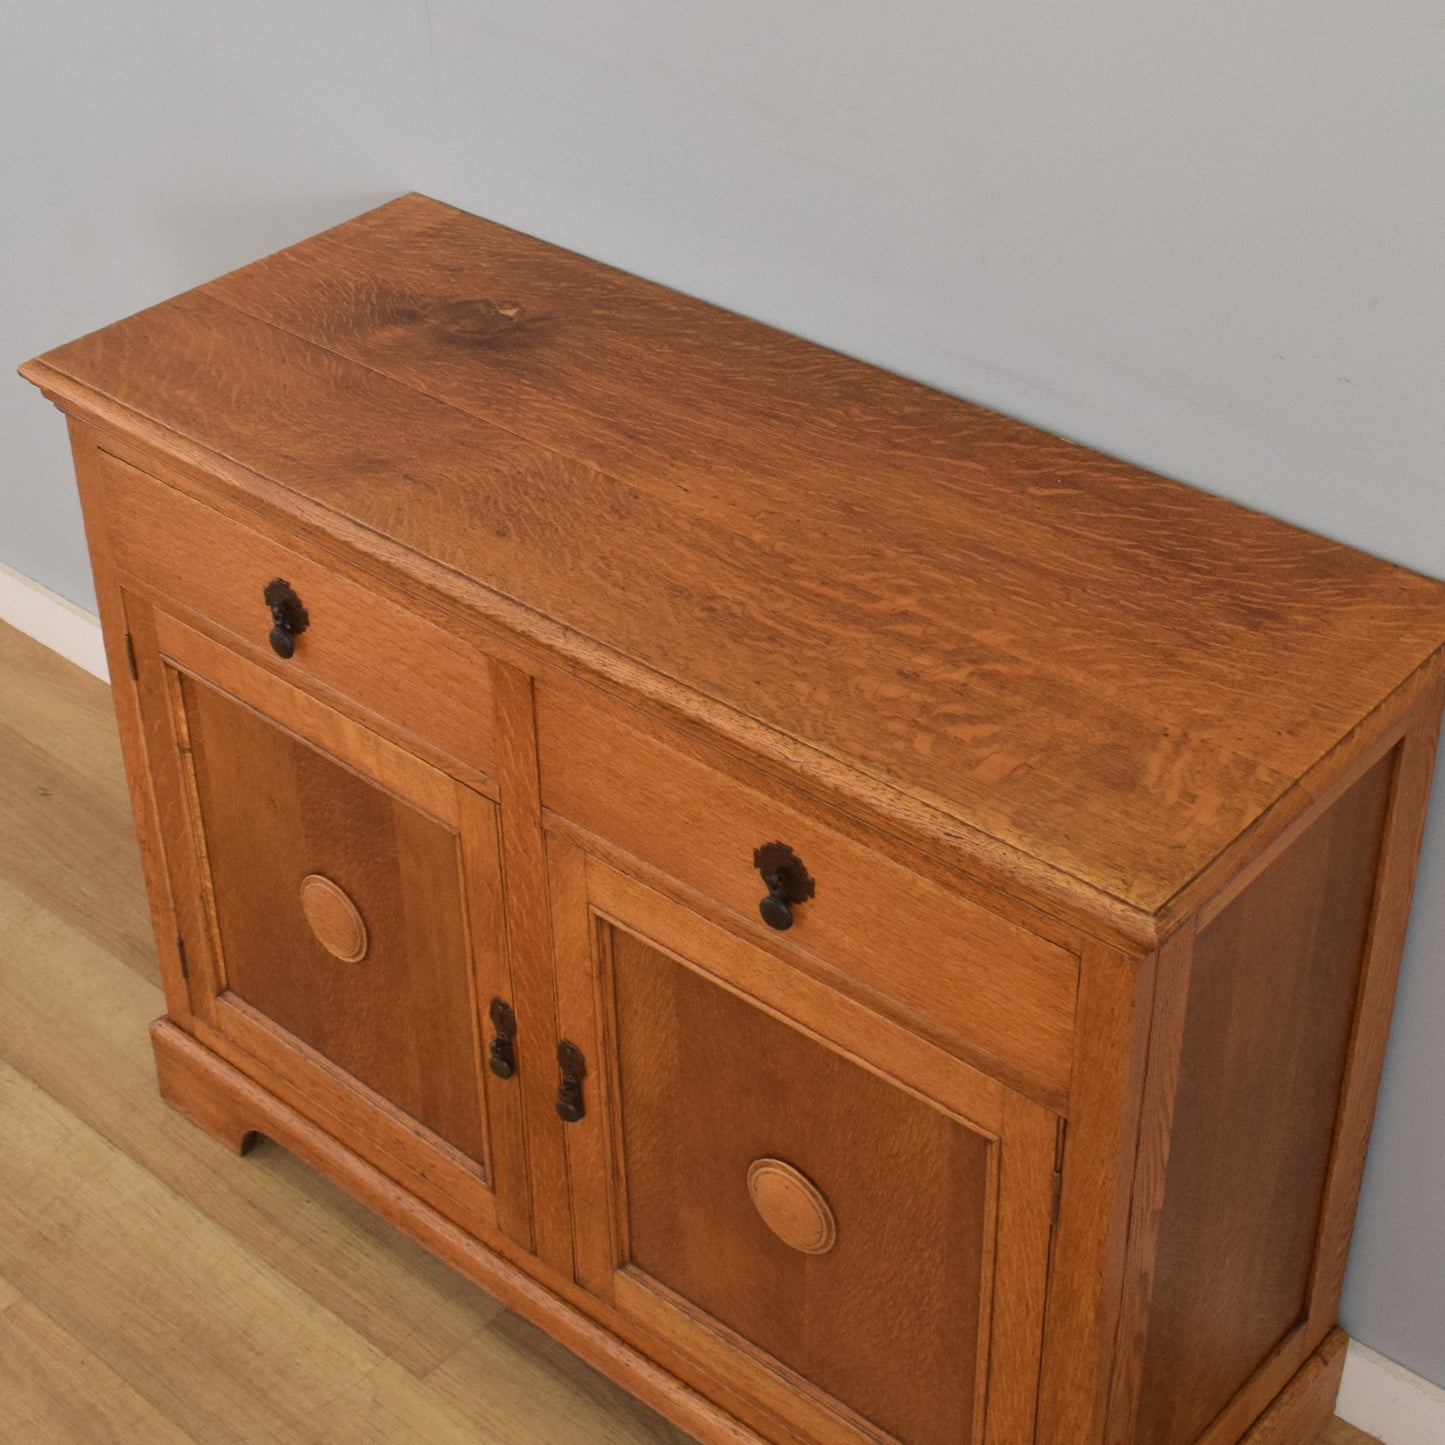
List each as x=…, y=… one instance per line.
x=1139, y=915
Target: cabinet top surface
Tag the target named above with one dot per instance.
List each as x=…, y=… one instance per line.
x=1030, y=646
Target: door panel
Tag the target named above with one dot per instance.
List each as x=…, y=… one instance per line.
x=824, y=1237
x=340, y=902
x=275, y=813
x=710, y=1087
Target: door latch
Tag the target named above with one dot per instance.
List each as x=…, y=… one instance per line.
x=570, y=1107
x=501, y=1055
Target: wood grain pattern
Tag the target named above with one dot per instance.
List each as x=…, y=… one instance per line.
x=792, y=1206
x=985, y=624
x=359, y=647
x=367, y=1097
x=596, y=890
x=1116, y=1003
x=404, y=1023
x=1003, y=998
x=1272, y=995
x=67, y=843
x=771, y=998
x=533, y=984
x=1025, y=1227
x=599, y=1347
x=1393, y=890
x=513, y=1383
x=332, y=915
x=53, y=1389
x=1151, y=1172
x=84, y=447
x=73, y=1020
x=1339, y=1432
x=85, y=1260
x=908, y=1186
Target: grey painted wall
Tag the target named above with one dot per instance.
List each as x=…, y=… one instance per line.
x=1206, y=237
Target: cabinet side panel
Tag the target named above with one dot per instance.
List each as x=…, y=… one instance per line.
x=1271, y=1000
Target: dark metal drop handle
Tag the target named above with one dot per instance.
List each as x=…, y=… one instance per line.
x=786, y=880
x=570, y=1107
x=501, y=1055
x=288, y=616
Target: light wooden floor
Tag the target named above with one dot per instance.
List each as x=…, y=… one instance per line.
x=153, y=1287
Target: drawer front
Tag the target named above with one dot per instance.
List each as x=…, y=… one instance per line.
x=978, y=984
x=396, y=666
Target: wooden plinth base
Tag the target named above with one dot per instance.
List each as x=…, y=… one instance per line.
x=234, y=1110
x=1303, y=1408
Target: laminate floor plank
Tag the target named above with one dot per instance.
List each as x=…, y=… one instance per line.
x=540, y=1391
x=68, y=840
x=1338, y=1433
x=74, y=1021
x=8, y=1294
x=61, y=707
x=54, y=1391
x=213, y=1338
x=153, y=1287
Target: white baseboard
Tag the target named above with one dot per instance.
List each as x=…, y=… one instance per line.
x=47, y=617
x=1388, y=1401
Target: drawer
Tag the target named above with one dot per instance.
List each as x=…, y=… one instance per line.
x=980, y=985
x=393, y=664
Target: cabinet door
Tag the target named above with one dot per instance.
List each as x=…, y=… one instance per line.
x=839, y=1223
x=339, y=906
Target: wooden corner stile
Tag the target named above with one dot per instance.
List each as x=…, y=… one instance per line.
x=1161, y=1081
x=1116, y=997
x=529, y=944
x=85, y=445
x=189, y=1087
x=1394, y=888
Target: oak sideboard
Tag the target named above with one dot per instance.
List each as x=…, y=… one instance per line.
x=865, y=920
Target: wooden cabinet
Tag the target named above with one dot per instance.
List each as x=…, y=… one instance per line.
x=868, y=922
